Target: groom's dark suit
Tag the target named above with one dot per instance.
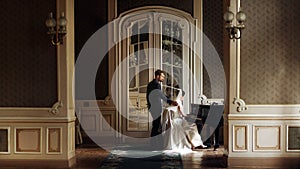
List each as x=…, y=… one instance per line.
x=154, y=97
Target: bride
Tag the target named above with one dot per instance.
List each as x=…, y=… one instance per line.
x=179, y=133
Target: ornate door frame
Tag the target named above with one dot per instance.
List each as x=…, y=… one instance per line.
x=123, y=22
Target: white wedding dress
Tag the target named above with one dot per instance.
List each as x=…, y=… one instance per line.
x=179, y=133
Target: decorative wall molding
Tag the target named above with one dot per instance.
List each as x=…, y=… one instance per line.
x=293, y=138
x=108, y=100
x=240, y=138
x=123, y=50
x=107, y=104
x=37, y=119
x=236, y=103
x=270, y=71
x=115, y=59
x=266, y=138
x=274, y=109
x=94, y=120
x=55, y=108
x=89, y=120
x=33, y=83
x=65, y=58
x=28, y=140
x=28, y=124
x=3, y=140
x=248, y=118
x=204, y=101
x=266, y=123
x=241, y=105
x=54, y=140
x=71, y=139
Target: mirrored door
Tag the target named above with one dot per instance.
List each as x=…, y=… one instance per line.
x=139, y=75
x=171, y=60
x=174, y=55
x=155, y=39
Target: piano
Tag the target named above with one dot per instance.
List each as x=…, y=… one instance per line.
x=209, y=119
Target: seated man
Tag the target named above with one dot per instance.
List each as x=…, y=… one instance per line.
x=181, y=133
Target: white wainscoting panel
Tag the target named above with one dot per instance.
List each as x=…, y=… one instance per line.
x=266, y=138
x=240, y=138
x=97, y=123
x=89, y=121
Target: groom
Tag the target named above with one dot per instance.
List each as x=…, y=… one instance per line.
x=154, y=97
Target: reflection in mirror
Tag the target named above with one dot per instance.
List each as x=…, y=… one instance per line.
x=138, y=77
x=172, y=55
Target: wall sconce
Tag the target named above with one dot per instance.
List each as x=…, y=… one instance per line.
x=56, y=31
x=234, y=32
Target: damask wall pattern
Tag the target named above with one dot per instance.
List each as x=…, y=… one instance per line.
x=270, y=53
x=93, y=15
x=28, y=71
x=213, y=30
x=185, y=5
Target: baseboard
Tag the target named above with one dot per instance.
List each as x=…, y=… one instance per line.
x=37, y=163
x=265, y=162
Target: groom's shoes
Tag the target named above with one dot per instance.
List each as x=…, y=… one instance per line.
x=199, y=147
x=216, y=147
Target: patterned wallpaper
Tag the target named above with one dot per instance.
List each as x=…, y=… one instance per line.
x=28, y=71
x=213, y=29
x=270, y=52
x=93, y=15
x=185, y=5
